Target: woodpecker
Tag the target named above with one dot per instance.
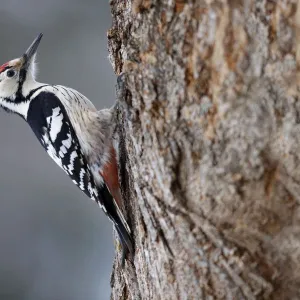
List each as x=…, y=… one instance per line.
x=75, y=135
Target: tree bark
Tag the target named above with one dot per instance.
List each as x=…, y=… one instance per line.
x=210, y=125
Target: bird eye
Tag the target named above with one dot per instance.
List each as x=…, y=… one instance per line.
x=10, y=73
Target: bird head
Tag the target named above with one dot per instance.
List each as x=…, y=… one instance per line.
x=17, y=77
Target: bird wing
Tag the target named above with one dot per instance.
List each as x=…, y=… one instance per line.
x=54, y=130
x=63, y=146
x=75, y=96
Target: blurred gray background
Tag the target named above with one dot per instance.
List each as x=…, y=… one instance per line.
x=55, y=242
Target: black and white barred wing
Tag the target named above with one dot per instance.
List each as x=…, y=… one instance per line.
x=63, y=146
x=51, y=124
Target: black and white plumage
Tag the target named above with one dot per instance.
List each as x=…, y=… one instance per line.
x=49, y=121
x=75, y=135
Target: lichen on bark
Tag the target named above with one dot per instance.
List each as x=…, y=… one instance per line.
x=211, y=132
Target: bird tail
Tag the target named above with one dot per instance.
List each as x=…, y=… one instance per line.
x=115, y=214
x=124, y=233
x=126, y=242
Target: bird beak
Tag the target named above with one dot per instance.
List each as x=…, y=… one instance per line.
x=31, y=51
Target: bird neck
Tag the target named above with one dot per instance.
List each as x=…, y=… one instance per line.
x=30, y=85
x=20, y=103
x=15, y=105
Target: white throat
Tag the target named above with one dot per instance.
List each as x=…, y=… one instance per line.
x=22, y=107
x=19, y=108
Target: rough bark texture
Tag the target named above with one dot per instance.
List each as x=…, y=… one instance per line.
x=211, y=131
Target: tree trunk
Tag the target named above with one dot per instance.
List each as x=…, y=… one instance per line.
x=211, y=132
